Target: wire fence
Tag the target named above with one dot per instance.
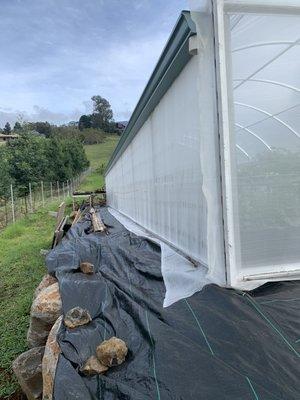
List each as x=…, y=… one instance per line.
x=39, y=194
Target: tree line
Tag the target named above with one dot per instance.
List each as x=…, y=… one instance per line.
x=46, y=152
x=90, y=128
x=31, y=159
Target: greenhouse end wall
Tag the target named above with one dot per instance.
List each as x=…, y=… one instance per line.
x=260, y=69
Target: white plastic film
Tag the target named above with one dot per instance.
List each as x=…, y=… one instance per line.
x=269, y=3
x=201, y=13
x=181, y=277
x=157, y=181
x=264, y=60
x=168, y=178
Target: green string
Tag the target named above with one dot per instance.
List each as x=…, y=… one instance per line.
x=153, y=359
x=252, y=388
x=291, y=347
x=200, y=327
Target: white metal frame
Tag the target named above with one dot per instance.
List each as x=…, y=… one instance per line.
x=249, y=276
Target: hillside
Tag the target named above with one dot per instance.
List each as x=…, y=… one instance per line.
x=98, y=155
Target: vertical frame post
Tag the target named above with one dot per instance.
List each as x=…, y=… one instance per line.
x=30, y=198
x=43, y=197
x=12, y=203
x=224, y=114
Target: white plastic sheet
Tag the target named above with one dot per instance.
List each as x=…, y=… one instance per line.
x=181, y=277
x=157, y=181
x=168, y=179
x=264, y=61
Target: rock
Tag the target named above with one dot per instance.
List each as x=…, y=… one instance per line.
x=38, y=332
x=76, y=317
x=47, y=305
x=28, y=369
x=45, y=310
x=93, y=366
x=50, y=359
x=112, y=352
x=87, y=268
x=47, y=280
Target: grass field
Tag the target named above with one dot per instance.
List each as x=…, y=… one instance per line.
x=22, y=268
x=98, y=154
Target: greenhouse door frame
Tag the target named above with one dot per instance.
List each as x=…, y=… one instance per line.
x=234, y=275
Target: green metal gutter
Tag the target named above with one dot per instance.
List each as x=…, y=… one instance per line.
x=172, y=61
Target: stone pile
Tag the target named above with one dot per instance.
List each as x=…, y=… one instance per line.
x=35, y=369
x=45, y=320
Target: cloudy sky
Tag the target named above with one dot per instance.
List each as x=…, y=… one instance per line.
x=56, y=54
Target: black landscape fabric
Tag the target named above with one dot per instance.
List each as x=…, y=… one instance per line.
x=217, y=344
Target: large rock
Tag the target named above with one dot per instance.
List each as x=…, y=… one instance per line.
x=112, y=352
x=47, y=305
x=45, y=310
x=47, y=280
x=38, y=332
x=76, y=317
x=28, y=369
x=50, y=359
x=93, y=366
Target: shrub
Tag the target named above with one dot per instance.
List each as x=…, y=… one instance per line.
x=32, y=158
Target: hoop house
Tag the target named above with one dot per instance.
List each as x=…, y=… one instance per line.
x=210, y=159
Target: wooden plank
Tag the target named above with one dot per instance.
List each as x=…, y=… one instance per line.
x=97, y=222
x=77, y=217
x=60, y=214
x=59, y=232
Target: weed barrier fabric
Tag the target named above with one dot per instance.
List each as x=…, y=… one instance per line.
x=217, y=344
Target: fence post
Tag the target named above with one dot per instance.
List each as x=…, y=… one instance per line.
x=12, y=203
x=51, y=191
x=57, y=183
x=43, y=198
x=63, y=189
x=68, y=187
x=30, y=198
x=6, y=213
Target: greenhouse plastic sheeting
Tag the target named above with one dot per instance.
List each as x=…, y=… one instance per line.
x=180, y=276
x=217, y=344
x=158, y=181
x=263, y=63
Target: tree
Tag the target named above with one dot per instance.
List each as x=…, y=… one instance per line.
x=27, y=160
x=7, y=129
x=43, y=128
x=17, y=127
x=5, y=179
x=102, y=114
x=93, y=136
x=33, y=159
x=85, y=122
